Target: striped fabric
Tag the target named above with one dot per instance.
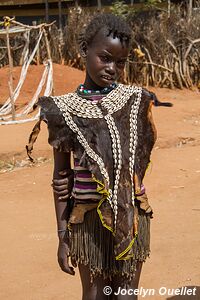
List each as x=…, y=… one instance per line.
x=85, y=188
x=84, y=185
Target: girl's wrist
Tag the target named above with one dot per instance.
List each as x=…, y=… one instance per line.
x=62, y=230
x=63, y=234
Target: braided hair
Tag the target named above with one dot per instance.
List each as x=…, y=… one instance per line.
x=112, y=24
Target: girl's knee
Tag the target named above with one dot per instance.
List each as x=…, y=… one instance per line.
x=90, y=294
x=124, y=289
x=92, y=290
x=124, y=293
x=95, y=293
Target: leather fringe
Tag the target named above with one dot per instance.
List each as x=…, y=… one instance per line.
x=93, y=245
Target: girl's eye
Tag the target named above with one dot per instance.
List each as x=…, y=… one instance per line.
x=105, y=58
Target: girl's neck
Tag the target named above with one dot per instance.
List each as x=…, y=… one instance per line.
x=89, y=84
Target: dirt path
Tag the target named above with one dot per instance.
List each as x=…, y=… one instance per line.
x=29, y=269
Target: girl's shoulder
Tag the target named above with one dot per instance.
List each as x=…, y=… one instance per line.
x=134, y=89
x=60, y=137
x=48, y=102
x=138, y=95
x=49, y=108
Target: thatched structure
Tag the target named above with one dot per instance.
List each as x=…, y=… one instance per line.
x=165, y=50
x=13, y=29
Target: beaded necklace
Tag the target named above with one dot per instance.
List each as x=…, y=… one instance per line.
x=82, y=91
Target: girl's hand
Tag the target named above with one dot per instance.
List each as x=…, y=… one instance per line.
x=63, y=258
x=63, y=187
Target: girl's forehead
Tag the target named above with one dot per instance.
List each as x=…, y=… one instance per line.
x=104, y=41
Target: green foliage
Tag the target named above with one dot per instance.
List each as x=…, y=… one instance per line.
x=153, y=3
x=119, y=8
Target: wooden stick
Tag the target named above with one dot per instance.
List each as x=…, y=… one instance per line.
x=190, y=46
x=33, y=27
x=60, y=14
x=60, y=29
x=176, y=69
x=10, y=81
x=99, y=5
x=152, y=68
x=38, y=55
x=12, y=21
x=47, y=44
x=169, y=8
x=46, y=11
x=48, y=50
x=2, y=56
x=172, y=45
x=151, y=63
x=190, y=6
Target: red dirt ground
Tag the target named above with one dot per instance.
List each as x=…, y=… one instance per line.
x=29, y=269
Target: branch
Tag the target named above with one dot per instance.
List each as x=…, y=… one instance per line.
x=172, y=45
x=152, y=69
x=33, y=27
x=151, y=63
x=190, y=46
x=2, y=57
x=7, y=21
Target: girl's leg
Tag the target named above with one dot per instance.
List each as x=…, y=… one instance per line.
x=118, y=282
x=94, y=290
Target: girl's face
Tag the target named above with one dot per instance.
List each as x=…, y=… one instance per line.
x=105, y=61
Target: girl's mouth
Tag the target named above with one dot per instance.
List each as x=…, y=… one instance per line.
x=108, y=78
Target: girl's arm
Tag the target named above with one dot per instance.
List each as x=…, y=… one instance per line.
x=62, y=162
x=63, y=191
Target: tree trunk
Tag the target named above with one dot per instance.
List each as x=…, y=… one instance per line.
x=76, y=3
x=60, y=28
x=99, y=5
x=169, y=8
x=132, y=1
x=60, y=14
x=46, y=11
x=10, y=81
x=190, y=6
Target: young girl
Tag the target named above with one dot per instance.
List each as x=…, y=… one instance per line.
x=106, y=128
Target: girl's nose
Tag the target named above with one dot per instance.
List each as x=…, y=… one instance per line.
x=111, y=68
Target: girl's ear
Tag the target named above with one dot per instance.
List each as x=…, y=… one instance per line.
x=83, y=49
